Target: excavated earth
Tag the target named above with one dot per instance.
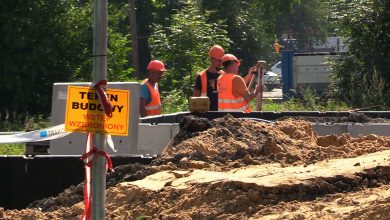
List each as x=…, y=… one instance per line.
x=231, y=168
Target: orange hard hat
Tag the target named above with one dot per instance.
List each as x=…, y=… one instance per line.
x=216, y=52
x=156, y=65
x=230, y=57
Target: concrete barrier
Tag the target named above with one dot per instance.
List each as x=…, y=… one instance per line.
x=380, y=129
x=152, y=139
x=325, y=129
x=354, y=129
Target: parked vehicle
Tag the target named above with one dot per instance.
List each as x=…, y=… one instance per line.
x=271, y=81
x=277, y=68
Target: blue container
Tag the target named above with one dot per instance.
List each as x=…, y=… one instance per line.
x=287, y=71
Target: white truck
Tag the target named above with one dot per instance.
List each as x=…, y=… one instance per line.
x=312, y=71
x=306, y=70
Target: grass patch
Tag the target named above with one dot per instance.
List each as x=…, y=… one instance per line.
x=12, y=149
x=300, y=105
x=13, y=124
x=308, y=102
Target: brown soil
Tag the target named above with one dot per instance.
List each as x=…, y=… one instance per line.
x=229, y=168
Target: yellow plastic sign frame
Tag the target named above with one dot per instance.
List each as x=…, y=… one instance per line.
x=84, y=112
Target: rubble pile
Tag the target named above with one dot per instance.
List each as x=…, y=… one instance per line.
x=230, y=168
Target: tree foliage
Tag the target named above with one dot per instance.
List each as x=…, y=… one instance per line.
x=306, y=22
x=361, y=75
x=30, y=53
x=250, y=25
x=184, y=46
x=47, y=41
x=150, y=12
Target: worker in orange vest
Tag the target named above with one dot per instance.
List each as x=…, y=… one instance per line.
x=277, y=47
x=206, y=81
x=233, y=93
x=150, y=103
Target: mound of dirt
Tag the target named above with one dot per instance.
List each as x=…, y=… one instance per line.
x=230, y=143
x=230, y=168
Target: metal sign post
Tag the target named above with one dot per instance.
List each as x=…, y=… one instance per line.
x=99, y=140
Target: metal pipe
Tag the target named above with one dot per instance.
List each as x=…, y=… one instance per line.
x=99, y=73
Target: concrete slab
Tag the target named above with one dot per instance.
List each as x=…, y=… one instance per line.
x=380, y=129
x=152, y=139
x=324, y=129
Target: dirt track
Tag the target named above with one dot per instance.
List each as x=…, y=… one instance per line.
x=233, y=169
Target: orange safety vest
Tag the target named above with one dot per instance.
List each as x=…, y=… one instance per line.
x=203, y=80
x=154, y=106
x=227, y=102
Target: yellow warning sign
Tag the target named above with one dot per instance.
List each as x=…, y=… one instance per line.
x=84, y=113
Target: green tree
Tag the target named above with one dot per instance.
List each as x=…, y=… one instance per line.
x=47, y=41
x=250, y=25
x=184, y=46
x=307, y=22
x=150, y=12
x=361, y=75
x=79, y=20
x=30, y=54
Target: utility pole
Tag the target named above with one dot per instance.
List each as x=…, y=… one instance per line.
x=99, y=140
x=134, y=37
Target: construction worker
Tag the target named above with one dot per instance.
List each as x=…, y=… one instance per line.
x=150, y=103
x=277, y=47
x=206, y=81
x=233, y=93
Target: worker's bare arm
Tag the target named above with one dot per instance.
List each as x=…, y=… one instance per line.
x=142, y=110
